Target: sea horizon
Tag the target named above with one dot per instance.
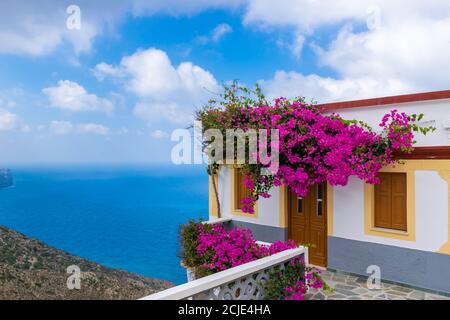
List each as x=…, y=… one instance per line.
x=123, y=216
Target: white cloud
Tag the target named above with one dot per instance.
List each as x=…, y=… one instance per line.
x=66, y=127
x=327, y=89
x=93, y=128
x=305, y=15
x=402, y=49
x=61, y=127
x=39, y=27
x=165, y=91
x=215, y=35
x=25, y=128
x=8, y=121
x=11, y=97
x=70, y=96
x=7, y=104
x=104, y=70
x=220, y=31
x=181, y=7
x=414, y=52
x=159, y=134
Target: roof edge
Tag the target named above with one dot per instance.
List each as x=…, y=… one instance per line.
x=415, y=97
x=431, y=152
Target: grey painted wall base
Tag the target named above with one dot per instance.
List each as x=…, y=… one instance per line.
x=417, y=268
x=262, y=232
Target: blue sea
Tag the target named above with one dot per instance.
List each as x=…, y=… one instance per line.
x=123, y=217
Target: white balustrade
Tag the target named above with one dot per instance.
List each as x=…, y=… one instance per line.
x=244, y=282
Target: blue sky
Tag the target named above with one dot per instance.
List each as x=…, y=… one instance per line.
x=114, y=89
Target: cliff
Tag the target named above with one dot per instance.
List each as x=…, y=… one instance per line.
x=30, y=269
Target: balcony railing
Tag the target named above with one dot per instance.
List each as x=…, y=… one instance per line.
x=244, y=282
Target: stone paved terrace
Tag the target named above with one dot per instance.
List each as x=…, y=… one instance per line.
x=352, y=287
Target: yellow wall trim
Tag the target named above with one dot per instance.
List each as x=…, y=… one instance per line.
x=283, y=206
x=235, y=211
x=213, y=212
x=446, y=176
x=369, y=202
x=330, y=209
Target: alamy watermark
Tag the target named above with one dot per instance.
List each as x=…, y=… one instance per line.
x=241, y=147
x=374, y=280
x=373, y=20
x=74, y=280
x=73, y=21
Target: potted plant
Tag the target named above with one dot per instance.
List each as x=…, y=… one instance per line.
x=190, y=259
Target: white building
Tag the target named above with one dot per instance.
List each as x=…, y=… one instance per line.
x=401, y=225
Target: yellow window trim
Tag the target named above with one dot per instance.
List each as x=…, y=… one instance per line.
x=442, y=167
x=369, y=208
x=235, y=211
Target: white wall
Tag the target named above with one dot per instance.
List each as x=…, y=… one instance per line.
x=348, y=218
x=437, y=111
x=431, y=213
x=431, y=189
x=268, y=209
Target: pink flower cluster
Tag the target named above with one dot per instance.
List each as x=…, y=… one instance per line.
x=296, y=291
x=311, y=279
x=277, y=247
x=316, y=148
x=223, y=249
x=396, y=127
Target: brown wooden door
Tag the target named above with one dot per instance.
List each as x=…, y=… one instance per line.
x=308, y=222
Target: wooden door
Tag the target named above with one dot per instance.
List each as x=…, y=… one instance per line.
x=308, y=222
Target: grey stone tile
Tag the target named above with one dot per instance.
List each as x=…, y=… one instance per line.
x=419, y=295
x=338, y=279
x=350, y=287
x=397, y=293
x=345, y=287
x=347, y=293
x=308, y=296
x=394, y=297
x=430, y=296
x=337, y=296
x=360, y=290
x=402, y=289
x=319, y=296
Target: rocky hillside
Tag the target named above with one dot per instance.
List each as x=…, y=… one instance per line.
x=30, y=269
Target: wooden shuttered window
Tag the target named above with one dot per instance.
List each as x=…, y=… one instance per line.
x=390, y=201
x=240, y=190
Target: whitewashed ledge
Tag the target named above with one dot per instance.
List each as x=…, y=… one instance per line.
x=217, y=220
x=243, y=282
x=226, y=220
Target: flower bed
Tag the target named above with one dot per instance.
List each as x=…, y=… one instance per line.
x=208, y=249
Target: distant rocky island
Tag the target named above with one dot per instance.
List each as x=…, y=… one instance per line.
x=6, y=179
x=30, y=269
